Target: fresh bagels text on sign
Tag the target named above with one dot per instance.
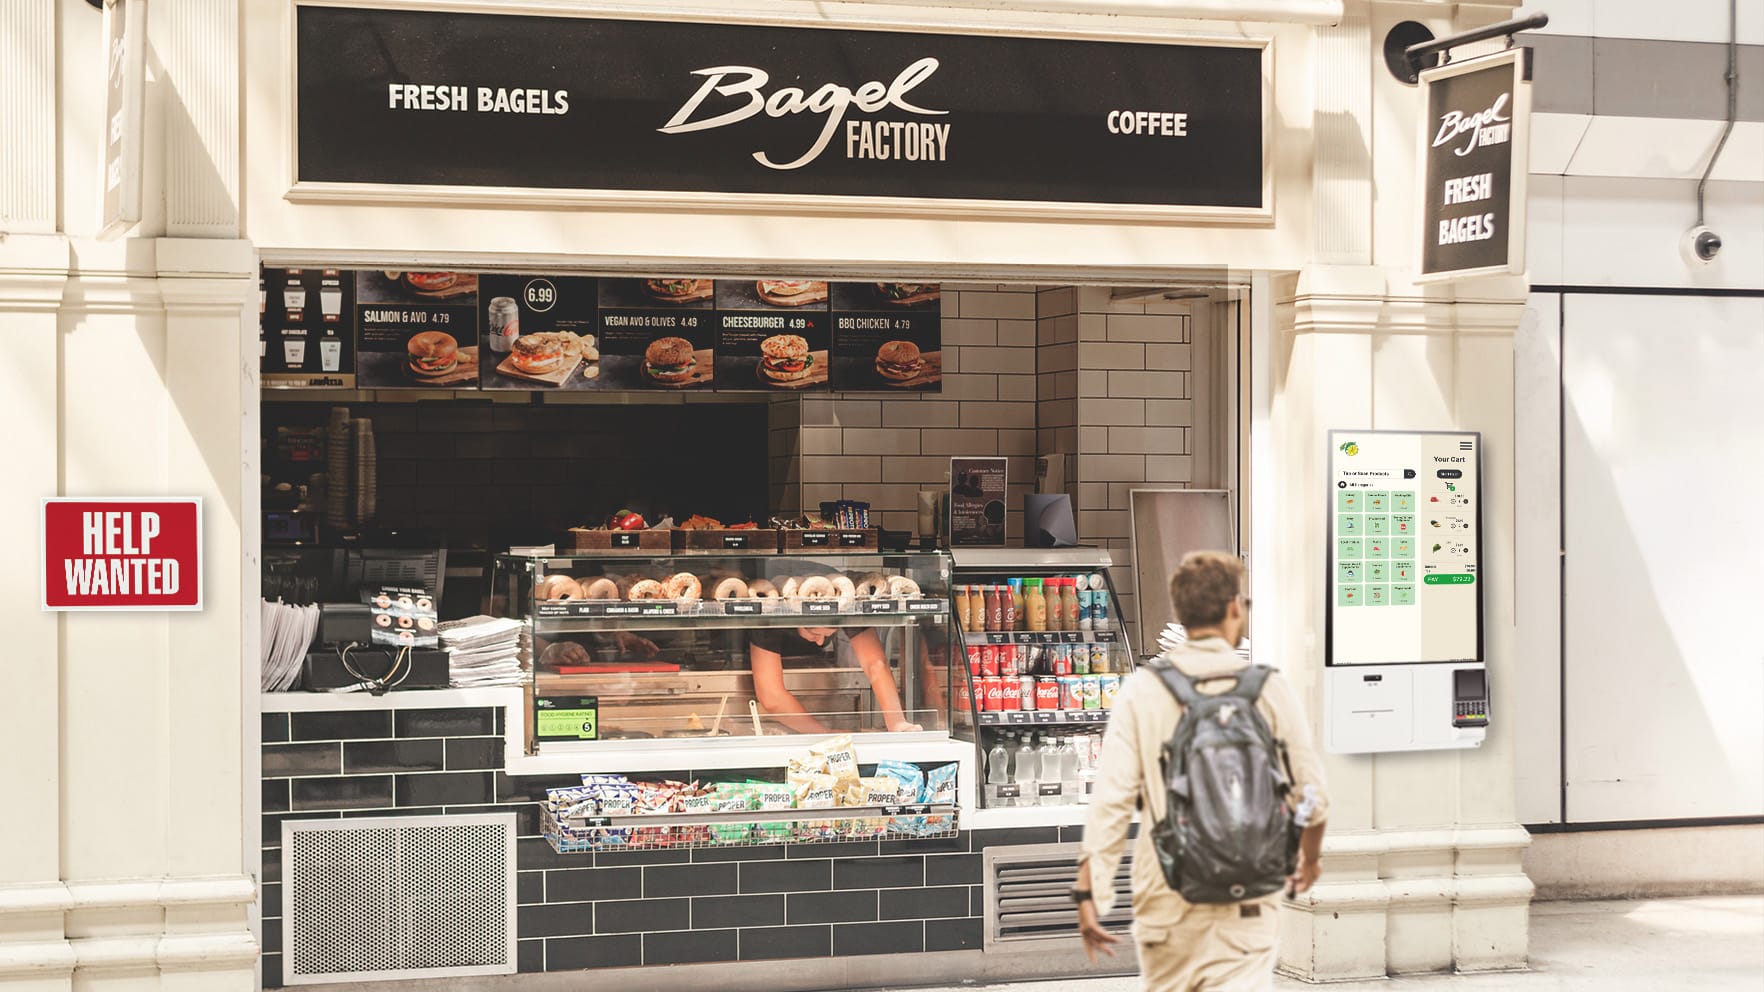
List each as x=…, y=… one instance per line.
x=134, y=554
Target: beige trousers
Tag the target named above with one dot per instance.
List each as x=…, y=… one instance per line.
x=1211, y=948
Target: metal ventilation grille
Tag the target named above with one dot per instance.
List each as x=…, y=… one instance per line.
x=1028, y=893
x=398, y=897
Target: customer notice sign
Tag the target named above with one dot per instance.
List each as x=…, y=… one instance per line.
x=1474, y=157
x=122, y=554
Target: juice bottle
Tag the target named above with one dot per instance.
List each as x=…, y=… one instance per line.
x=1011, y=602
x=1036, y=605
x=1069, y=604
x=963, y=613
x=994, y=608
x=1056, y=617
x=1021, y=620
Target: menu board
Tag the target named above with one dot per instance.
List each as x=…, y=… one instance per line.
x=888, y=336
x=306, y=336
x=772, y=334
x=1404, y=547
x=416, y=330
x=536, y=332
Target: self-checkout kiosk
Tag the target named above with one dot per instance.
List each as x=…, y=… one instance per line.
x=1404, y=665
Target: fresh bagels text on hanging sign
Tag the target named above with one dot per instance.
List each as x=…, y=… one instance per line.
x=137, y=554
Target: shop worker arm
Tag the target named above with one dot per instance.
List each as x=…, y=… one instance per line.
x=868, y=648
x=774, y=698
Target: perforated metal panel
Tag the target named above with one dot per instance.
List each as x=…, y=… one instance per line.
x=398, y=897
x=1028, y=893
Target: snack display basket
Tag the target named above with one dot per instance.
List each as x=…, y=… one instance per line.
x=748, y=828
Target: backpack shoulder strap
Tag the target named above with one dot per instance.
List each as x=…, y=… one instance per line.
x=1180, y=685
x=1250, y=681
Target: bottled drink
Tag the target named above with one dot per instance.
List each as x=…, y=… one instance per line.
x=1010, y=601
x=998, y=773
x=1069, y=770
x=1019, y=607
x=1025, y=766
x=1052, y=772
x=1069, y=604
x=1035, y=604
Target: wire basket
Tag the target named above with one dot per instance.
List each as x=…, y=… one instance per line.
x=748, y=828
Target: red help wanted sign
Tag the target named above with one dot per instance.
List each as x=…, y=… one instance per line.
x=122, y=554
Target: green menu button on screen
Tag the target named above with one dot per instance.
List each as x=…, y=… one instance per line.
x=1450, y=579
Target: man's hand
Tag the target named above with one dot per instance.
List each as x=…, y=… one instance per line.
x=1091, y=929
x=631, y=644
x=565, y=653
x=901, y=725
x=1304, y=876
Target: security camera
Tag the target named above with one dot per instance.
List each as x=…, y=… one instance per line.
x=1701, y=245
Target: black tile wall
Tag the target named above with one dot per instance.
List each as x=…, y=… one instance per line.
x=837, y=849
x=832, y=907
x=446, y=789
x=275, y=728
x=907, y=937
x=690, y=946
x=767, y=943
x=530, y=955
x=361, y=757
x=474, y=752
x=1009, y=837
x=473, y=722
x=286, y=760
x=272, y=830
x=714, y=912
x=582, y=953
x=925, y=904
x=786, y=876
x=530, y=888
x=689, y=880
x=272, y=971
x=645, y=915
x=555, y=919
x=666, y=856
x=954, y=935
x=275, y=795
x=767, y=852
x=594, y=883
x=342, y=725
x=953, y=869
x=354, y=792
x=877, y=873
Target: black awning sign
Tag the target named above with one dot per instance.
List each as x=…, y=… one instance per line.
x=1474, y=158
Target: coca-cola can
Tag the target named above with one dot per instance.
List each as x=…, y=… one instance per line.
x=1010, y=694
x=1027, y=689
x=994, y=697
x=974, y=660
x=988, y=660
x=1007, y=661
x=1047, y=693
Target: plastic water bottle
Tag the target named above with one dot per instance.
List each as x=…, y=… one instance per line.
x=1051, y=773
x=1069, y=771
x=998, y=772
x=1024, y=770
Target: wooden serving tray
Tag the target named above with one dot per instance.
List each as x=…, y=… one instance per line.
x=632, y=542
x=830, y=541
x=759, y=540
x=557, y=377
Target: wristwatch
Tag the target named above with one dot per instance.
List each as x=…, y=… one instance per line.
x=1080, y=896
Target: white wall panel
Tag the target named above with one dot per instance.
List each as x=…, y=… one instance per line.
x=1686, y=20
x=1663, y=448
x=1537, y=613
x=1626, y=232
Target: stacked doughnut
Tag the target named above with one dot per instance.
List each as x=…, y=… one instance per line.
x=688, y=587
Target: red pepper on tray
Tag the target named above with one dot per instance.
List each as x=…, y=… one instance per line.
x=626, y=520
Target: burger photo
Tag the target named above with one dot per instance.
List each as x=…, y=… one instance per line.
x=669, y=360
x=538, y=354
x=791, y=292
x=676, y=290
x=785, y=358
x=906, y=294
x=431, y=282
x=433, y=354
x=899, y=361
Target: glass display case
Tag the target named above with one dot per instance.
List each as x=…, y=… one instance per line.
x=1045, y=651
x=730, y=645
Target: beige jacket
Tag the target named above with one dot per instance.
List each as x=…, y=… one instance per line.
x=1144, y=717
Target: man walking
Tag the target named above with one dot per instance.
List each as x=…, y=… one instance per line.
x=1191, y=946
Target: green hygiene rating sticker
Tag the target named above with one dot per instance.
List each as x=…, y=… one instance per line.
x=567, y=718
x=1449, y=579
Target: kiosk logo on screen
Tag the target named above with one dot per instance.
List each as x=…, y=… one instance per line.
x=133, y=554
x=1351, y=448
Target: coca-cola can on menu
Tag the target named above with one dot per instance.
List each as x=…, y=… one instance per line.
x=993, y=700
x=1027, y=688
x=1010, y=694
x=1047, y=693
x=988, y=660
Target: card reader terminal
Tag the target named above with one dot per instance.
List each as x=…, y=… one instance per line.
x=1469, y=697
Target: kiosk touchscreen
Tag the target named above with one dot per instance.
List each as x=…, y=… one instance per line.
x=1403, y=637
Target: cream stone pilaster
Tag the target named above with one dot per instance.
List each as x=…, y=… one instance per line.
x=34, y=954
x=1422, y=867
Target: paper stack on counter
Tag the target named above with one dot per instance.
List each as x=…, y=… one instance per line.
x=287, y=632
x=483, y=650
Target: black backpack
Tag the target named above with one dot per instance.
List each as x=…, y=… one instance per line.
x=1227, y=833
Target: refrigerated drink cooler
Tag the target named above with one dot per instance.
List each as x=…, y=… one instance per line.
x=1044, y=651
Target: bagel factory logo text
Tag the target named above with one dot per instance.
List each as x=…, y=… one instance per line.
x=1468, y=132
x=911, y=141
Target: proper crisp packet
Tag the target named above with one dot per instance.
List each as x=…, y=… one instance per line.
x=814, y=790
x=694, y=799
x=940, y=787
x=879, y=790
x=730, y=797
x=840, y=757
x=911, y=782
x=773, y=796
x=655, y=799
